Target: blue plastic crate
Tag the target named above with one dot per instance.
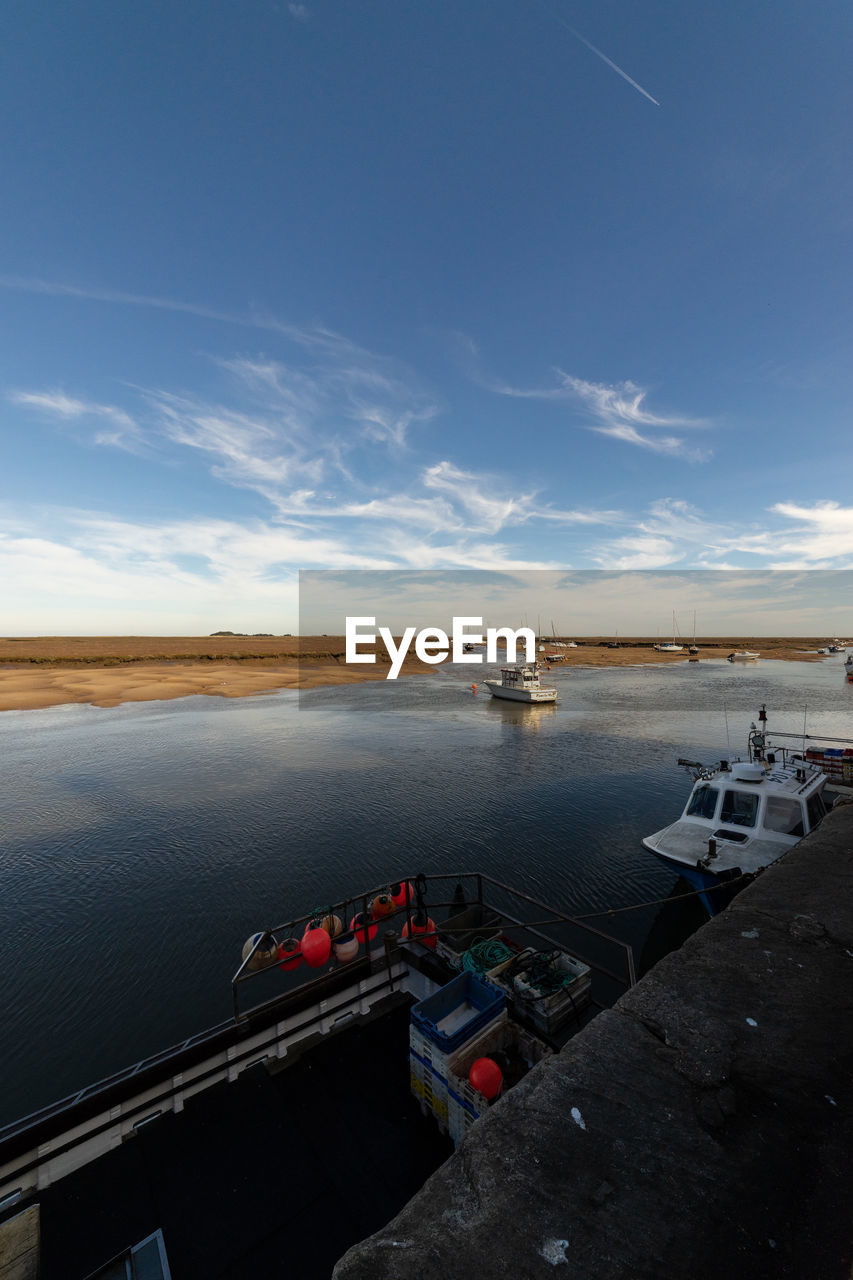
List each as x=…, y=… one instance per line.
x=460, y=1010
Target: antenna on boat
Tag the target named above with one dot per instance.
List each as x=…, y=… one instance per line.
x=805, y=714
x=728, y=743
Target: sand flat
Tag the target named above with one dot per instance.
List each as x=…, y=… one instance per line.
x=105, y=671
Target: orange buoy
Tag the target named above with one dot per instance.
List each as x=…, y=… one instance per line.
x=357, y=924
x=402, y=893
x=316, y=945
x=289, y=954
x=382, y=905
x=331, y=923
x=424, y=932
x=486, y=1077
x=473, y=688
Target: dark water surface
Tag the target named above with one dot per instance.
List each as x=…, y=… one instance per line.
x=140, y=846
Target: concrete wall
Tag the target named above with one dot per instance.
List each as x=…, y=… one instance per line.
x=701, y=1128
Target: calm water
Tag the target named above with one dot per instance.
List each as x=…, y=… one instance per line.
x=140, y=846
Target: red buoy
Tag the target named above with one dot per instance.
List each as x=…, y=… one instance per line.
x=424, y=933
x=289, y=954
x=402, y=893
x=316, y=946
x=357, y=925
x=486, y=1077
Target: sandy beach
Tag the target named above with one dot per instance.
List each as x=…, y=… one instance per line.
x=105, y=671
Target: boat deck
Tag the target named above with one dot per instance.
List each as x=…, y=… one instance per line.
x=282, y=1171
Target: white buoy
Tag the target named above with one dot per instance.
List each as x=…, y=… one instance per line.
x=266, y=954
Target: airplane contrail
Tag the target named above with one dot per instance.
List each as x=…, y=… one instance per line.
x=604, y=58
x=618, y=70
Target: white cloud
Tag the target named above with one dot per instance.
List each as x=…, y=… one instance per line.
x=298, y=11
x=125, y=433
x=619, y=411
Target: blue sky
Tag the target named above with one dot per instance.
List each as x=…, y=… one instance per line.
x=422, y=286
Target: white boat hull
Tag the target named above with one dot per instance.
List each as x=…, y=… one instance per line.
x=498, y=690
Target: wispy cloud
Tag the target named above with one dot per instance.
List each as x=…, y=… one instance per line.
x=673, y=533
x=298, y=11
x=620, y=411
x=813, y=537
x=124, y=433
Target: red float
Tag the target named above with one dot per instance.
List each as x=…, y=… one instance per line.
x=424, y=933
x=316, y=945
x=289, y=954
x=486, y=1077
x=402, y=893
x=357, y=925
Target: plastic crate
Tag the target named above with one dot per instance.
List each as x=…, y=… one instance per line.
x=500, y=977
x=461, y=931
x=433, y=1097
x=549, y=1013
x=465, y=1104
x=457, y=1011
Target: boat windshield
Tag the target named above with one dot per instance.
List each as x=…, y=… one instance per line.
x=784, y=815
x=703, y=802
x=740, y=808
x=817, y=810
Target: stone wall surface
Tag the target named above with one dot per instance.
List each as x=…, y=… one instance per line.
x=700, y=1129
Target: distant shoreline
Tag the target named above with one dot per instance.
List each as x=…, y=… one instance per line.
x=106, y=671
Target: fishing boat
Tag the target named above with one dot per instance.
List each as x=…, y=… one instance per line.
x=742, y=815
x=278, y=1139
x=521, y=684
x=744, y=655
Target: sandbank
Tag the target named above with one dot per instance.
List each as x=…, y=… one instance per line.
x=105, y=671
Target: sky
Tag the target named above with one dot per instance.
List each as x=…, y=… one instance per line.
x=377, y=284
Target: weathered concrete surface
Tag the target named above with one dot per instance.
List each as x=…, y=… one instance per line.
x=702, y=1128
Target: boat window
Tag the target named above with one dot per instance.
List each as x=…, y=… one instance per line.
x=740, y=808
x=703, y=802
x=817, y=810
x=145, y=1261
x=784, y=815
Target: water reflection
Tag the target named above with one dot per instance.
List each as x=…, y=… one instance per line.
x=518, y=715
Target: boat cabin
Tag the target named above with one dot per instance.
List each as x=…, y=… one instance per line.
x=749, y=800
x=526, y=677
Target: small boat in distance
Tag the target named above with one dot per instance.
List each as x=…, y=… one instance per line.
x=744, y=655
x=694, y=648
x=521, y=684
x=672, y=647
x=848, y=667
x=741, y=816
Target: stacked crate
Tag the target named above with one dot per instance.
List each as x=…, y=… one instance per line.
x=442, y=1025
x=506, y=1039
x=547, y=1013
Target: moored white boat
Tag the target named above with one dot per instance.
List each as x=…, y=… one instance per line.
x=744, y=655
x=672, y=647
x=521, y=684
x=742, y=815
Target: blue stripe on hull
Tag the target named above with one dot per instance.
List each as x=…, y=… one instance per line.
x=699, y=879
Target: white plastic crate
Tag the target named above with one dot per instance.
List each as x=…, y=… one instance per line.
x=550, y=1012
